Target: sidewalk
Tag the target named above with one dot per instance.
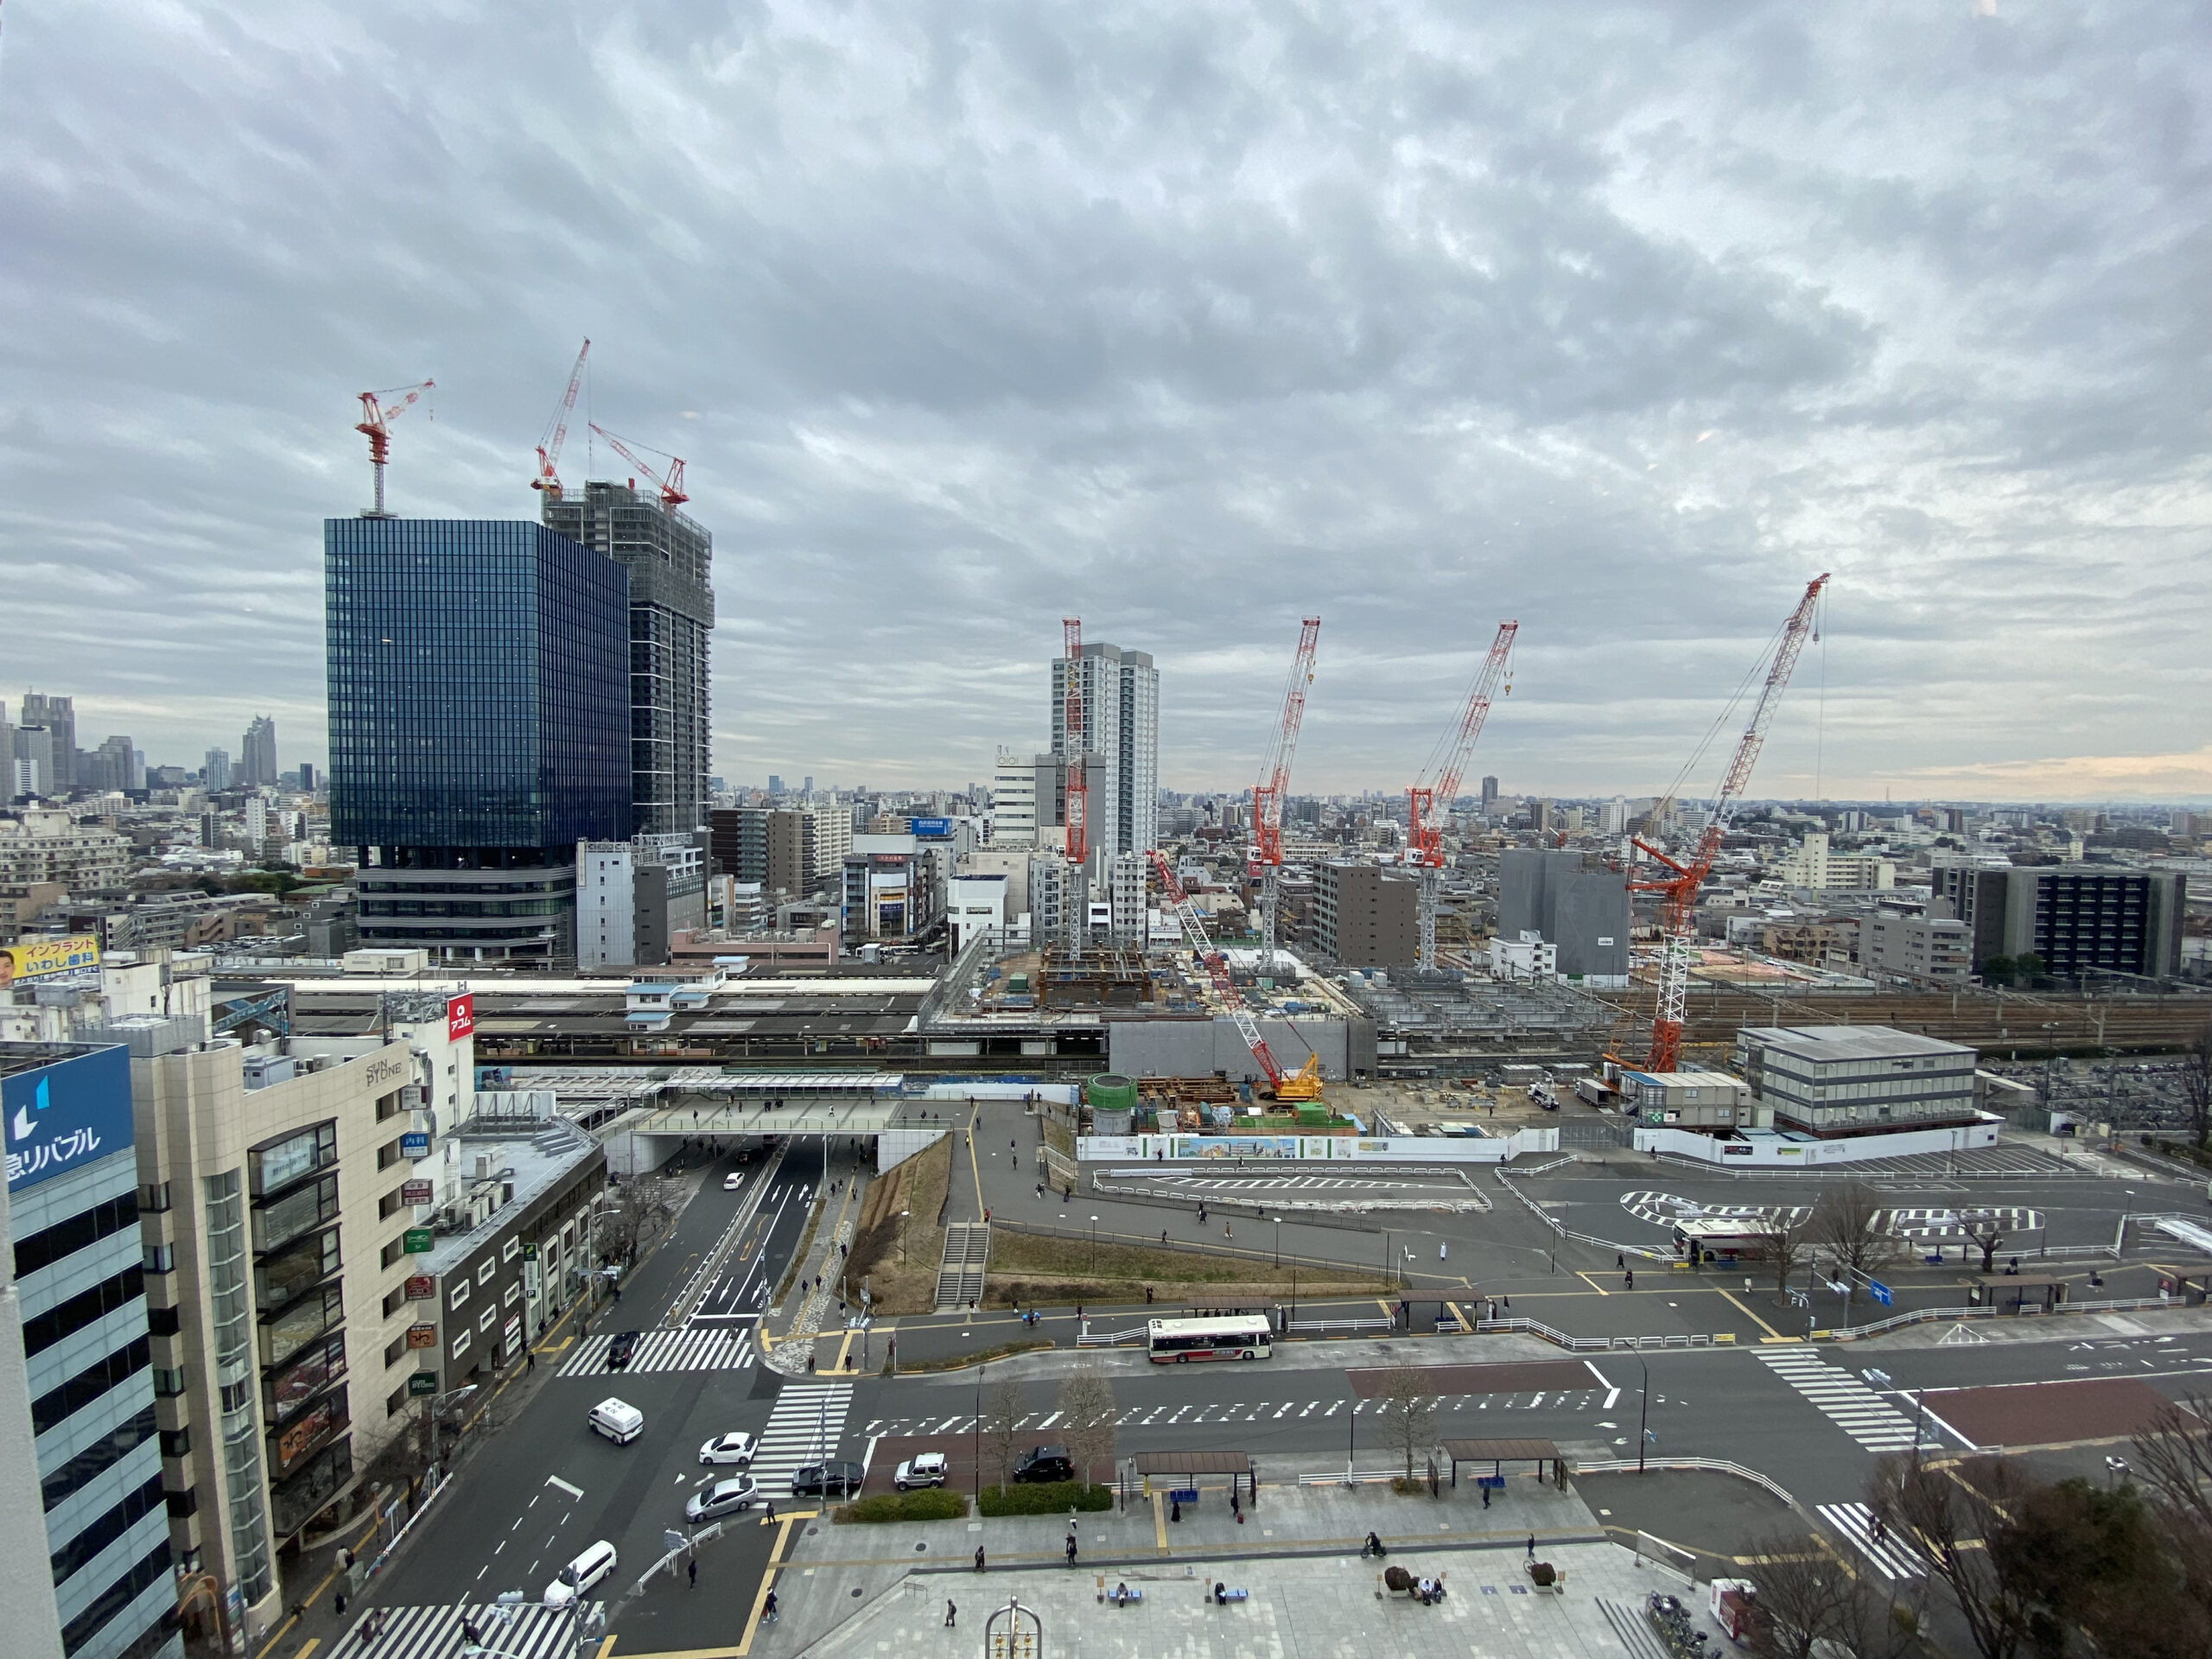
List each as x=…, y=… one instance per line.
x=809, y=1308
x=859, y=1590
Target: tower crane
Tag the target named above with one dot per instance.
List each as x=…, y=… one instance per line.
x=556, y=432
x=377, y=417
x=1274, y=787
x=669, y=484
x=1428, y=804
x=1290, y=1087
x=1678, y=892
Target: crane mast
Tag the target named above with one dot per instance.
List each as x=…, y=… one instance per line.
x=1274, y=787
x=375, y=424
x=1078, y=813
x=1428, y=805
x=556, y=432
x=1678, y=892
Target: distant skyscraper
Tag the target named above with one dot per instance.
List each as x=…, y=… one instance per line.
x=257, y=754
x=671, y=560
x=217, y=773
x=1121, y=728
x=1490, y=795
x=775, y=783
x=59, y=716
x=480, y=691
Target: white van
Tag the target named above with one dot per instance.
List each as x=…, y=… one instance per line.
x=618, y=1421
x=581, y=1575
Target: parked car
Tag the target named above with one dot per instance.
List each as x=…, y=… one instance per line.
x=736, y=1446
x=1043, y=1463
x=724, y=1498
x=927, y=1470
x=581, y=1575
x=619, y=1351
x=827, y=1480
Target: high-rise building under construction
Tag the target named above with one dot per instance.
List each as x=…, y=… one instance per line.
x=670, y=558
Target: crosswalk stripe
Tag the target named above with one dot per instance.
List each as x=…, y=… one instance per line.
x=1843, y=1399
x=805, y=1427
x=1856, y=1522
x=668, y=1351
x=525, y=1631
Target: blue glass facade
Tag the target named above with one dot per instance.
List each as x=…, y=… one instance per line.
x=73, y=1220
x=478, y=689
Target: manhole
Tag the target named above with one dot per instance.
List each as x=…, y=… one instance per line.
x=811, y=1531
x=856, y=1589
x=919, y=1548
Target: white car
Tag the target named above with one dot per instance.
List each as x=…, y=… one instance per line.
x=732, y=1181
x=927, y=1470
x=579, y=1576
x=736, y=1448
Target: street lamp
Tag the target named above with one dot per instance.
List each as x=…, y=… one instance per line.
x=1278, y=1241
x=903, y=1215
x=435, y=1405
x=979, y=1436
x=1094, y=1244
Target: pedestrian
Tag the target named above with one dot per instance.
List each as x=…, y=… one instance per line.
x=691, y=1568
x=530, y=1359
x=1532, y=1546
x=1228, y=1231
x=1070, y=1549
x=1079, y=1312
x=1485, y=1496
x=1439, y=1249
x=949, y=1610
x=1147, y=1295
x=339, y=1601
x=1620, y=1260
x=1163, y=1235
x=1040, y=1189
x=1627, y=1278
x=979, y=1558
x=1071, y=1530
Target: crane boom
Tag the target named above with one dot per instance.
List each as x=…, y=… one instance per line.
x=375, y=423
x=1303, y=1085
x=556, y=432
x=1424, y=817
x=1273, y=790
x=671, y=484
x=1678, y=892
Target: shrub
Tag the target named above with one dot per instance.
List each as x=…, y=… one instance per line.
x=1045, y=1497
x=926, y=1504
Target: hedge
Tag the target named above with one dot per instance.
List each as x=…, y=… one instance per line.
x=1044, y=1497
x=925, y=1504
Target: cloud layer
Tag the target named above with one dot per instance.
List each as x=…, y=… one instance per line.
x=1624, y=322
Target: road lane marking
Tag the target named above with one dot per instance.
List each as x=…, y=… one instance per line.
x=556, y=1480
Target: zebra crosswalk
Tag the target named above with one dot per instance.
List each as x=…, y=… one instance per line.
x=1856, y=1522
x=1842, y=1399
x=522, y=1631
x=709, y=1350
x=805, y=1427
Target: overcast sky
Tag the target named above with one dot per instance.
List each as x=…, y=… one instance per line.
x=1622, y=322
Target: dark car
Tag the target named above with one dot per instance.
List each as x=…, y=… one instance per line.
x=1045, y=1463
x=827, y=1480
x=618, y=1350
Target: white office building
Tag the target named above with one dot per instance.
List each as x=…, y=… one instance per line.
x=1120, y=697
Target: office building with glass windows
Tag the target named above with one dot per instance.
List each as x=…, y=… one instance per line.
x=86, y=1360
x=480, y=694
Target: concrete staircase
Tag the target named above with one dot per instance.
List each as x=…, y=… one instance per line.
x=960, y=1274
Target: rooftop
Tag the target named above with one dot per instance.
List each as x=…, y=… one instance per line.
x=534, y=1163
x=1830, y=1043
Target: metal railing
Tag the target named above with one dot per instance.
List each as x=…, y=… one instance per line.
x=1109, y=1338
x=1595, y=1345
x=1561, y=1230
x=1322, y=1328
x=1652, y=1466
x=1999, y=1311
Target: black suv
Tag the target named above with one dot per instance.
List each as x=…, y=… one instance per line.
x=618, y=1350
x=1042, y=1462
x=827, y=1480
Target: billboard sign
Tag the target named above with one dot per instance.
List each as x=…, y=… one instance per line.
x=415, y=1144
x=421, y=1384
x=419, y=1242
x=422, y=1336
x=460, y=1017
x=35, y=959
x=931, y=828
x=65, y=1114
x=420, y=1287
x=416, y=1192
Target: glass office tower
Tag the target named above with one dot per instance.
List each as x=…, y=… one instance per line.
x=479, y=728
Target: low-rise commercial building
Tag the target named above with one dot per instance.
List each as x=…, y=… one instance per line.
x=1922, y=949
x=1849, y=1080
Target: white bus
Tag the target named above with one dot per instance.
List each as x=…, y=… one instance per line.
x=1243, y=1337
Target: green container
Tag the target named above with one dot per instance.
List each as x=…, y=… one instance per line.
x=1313, y=1114
x=1109, y=1091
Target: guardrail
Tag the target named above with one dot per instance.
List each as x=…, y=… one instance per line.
x=1352, y=1477
x=1322, y=1328
x=1108, y=1338
x=1932, y=1315
x=712, y=1530
x=1651, y=1466
x=1559, y=1229
x=1599, y=1345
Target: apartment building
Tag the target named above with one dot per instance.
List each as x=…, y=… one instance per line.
x=1364, y=918
x=1923, y=949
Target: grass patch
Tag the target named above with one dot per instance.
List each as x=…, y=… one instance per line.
x=1044, y=1497
x=959, y=1362
x=928, y=1504
x=1027, y=1270
x=918, y=1186
x=1060, y=1138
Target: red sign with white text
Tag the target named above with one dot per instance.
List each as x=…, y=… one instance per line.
x=460, y=1017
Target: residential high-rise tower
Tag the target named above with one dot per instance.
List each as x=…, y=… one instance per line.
x=671, y=560
x=258, y=755
x=59, y=716
x=1120, y=692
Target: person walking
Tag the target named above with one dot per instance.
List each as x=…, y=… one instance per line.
x=691, y=1570
x=1627, y=1278
x=1532, y=1546
x=1070, y=1549
x=950, y=1609
x=979, y=1558
x=1439, y=1249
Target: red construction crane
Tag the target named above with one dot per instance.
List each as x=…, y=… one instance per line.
x=1678, y=893
x=556, y=432
x=671, y=485
x=1428, y=804
x=1274, y=787
x=1303, y=1085
x=376, y=417
x=1078, y=815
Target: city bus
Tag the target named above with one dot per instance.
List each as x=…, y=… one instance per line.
x=1725, y=1238
x=1242, y=1336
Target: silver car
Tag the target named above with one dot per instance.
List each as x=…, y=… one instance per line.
x=724, y=1498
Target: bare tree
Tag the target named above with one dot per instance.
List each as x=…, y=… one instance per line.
x=640, y=1211
x=1799, y=1586
x=1789, y=1244
x=2173, y=1458
x=2196, y=1084
x=1985, y=1230
x=1003, y=1410
x=1409, y=1410
x=1087, y=1414
x=1953, y=1519
x=1849, y=1222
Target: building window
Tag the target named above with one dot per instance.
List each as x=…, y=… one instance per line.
x=484, y=1274
x=514, y=1293
x=49, y=1244
x=152, y=1200
x=490, y=1314
x=232, y=1342
x=279, y=1163
x=388, y=1154
x=461, y=1345
x=511, y=1249
x=160, y=1258
x=460, y=1296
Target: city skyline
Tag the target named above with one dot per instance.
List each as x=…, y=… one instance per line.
x=1625, y=329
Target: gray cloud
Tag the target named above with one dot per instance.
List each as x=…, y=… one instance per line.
x=1622, y=321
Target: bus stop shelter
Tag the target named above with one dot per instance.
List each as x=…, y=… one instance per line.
x=2186, y=1281
x=1498, y=1454
x=1181, y=1473
x=2019, y=1291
